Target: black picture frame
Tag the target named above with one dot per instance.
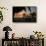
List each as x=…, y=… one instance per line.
x=32, y=17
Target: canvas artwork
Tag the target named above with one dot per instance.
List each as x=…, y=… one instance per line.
x=24, y=14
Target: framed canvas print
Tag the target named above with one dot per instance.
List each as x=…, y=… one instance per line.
x=24, y=14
